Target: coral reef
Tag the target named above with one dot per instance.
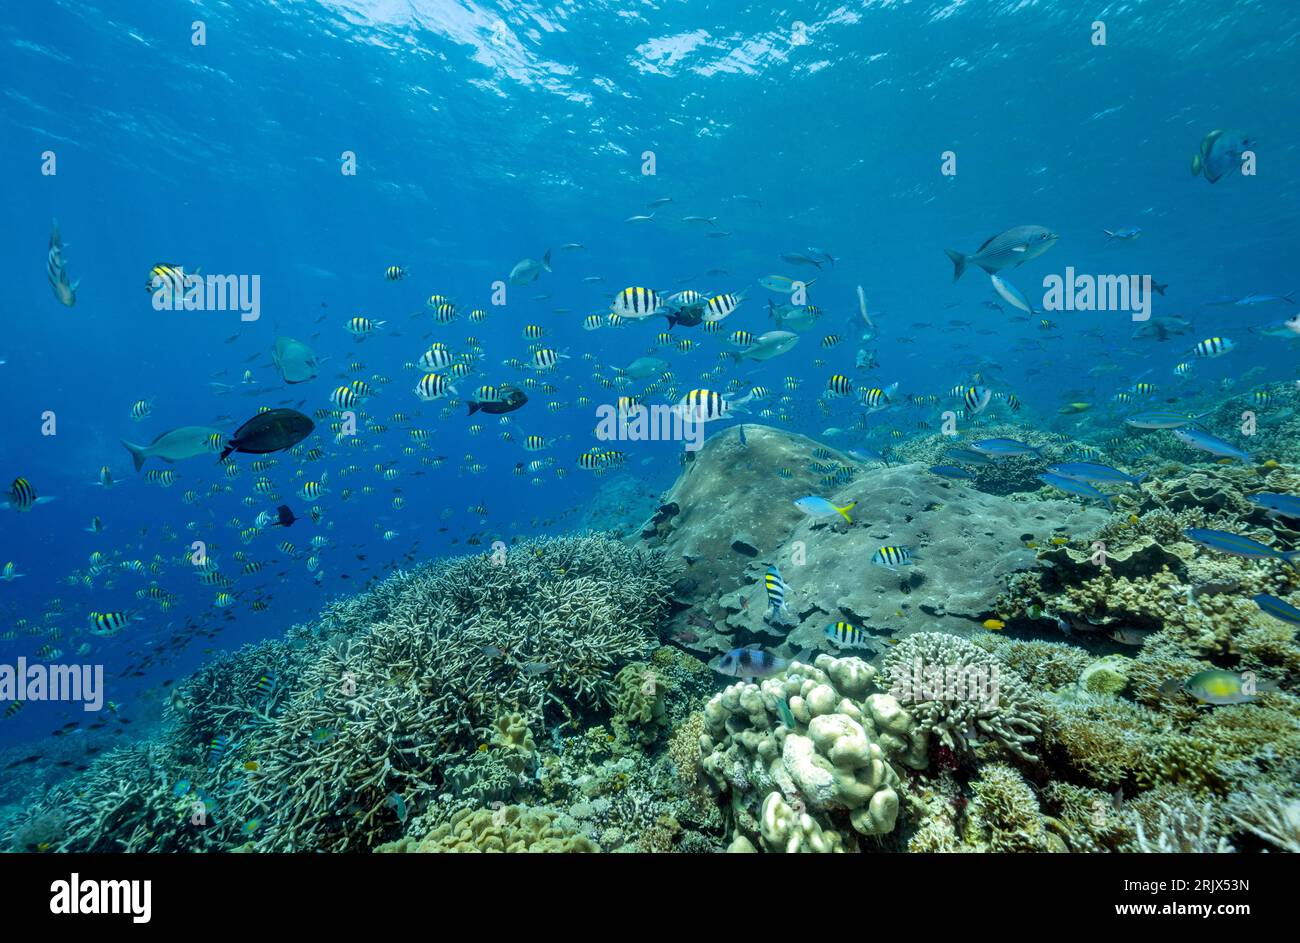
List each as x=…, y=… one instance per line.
x=958, y=690
x=328, y=740
x=505, y=829
x=1004, y=813
x=823, y=739
x=735, y=520
x=1182, y=826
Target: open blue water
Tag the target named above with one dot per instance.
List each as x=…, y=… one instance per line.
x=488, y=133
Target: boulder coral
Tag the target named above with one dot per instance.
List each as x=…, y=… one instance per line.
x=807, y=758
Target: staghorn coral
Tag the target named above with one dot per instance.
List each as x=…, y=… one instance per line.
x=1044, y=665
x=1094, y=821
x=954, y=688
x=227, y=693
x=1102, y=737
x=380, y=701
x=1180, y=825
x=129, y=801
x=1004, y=813
x=1269, y=814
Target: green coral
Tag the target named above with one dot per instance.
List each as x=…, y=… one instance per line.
x=513, y=738
x=511, y=829
x=1107, y=675
x=1004, y=813
x=1044, y=665
x=640, y=711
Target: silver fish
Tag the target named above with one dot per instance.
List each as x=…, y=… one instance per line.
x=185, y=442
x=527, y=270
x=1013, y=247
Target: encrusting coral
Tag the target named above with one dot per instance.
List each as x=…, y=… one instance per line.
x=504, y=829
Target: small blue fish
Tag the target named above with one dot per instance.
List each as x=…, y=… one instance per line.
x=1280, y=505
x=1161, y=419
x=1200, y=439
x=1278, y=608
x=815, y=506
x=1094, y=473
x=743, y=440
x=1003, y=448
x=783, y=709
x=1082, y=489
x=1240, y=546
x=398, y=804
x=952, y=471
x=1131, y=232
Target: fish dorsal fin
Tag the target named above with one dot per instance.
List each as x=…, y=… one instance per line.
x=986, y=243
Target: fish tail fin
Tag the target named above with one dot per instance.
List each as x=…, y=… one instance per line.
x=473, y=408
x=958, y=263
x=846, y=509
x=672, y=319
x=137, y=453
x=225, y=452
x=1109, y=235
x=546, y=260
x=1141, y=478
x=1109, y=501
x=1289, y=297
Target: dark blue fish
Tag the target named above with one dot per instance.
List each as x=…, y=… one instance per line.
x=743, y=440
x=1282, y=505
x=952, y=471
x=1081, y=488
x=1238, y=545
x=1278, y=608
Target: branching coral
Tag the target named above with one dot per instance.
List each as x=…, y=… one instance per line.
x=1043, y=665
x=1004, y=812
x=327, y=742
x=1182, y=826
x=953, y=687
x=1270, y=815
